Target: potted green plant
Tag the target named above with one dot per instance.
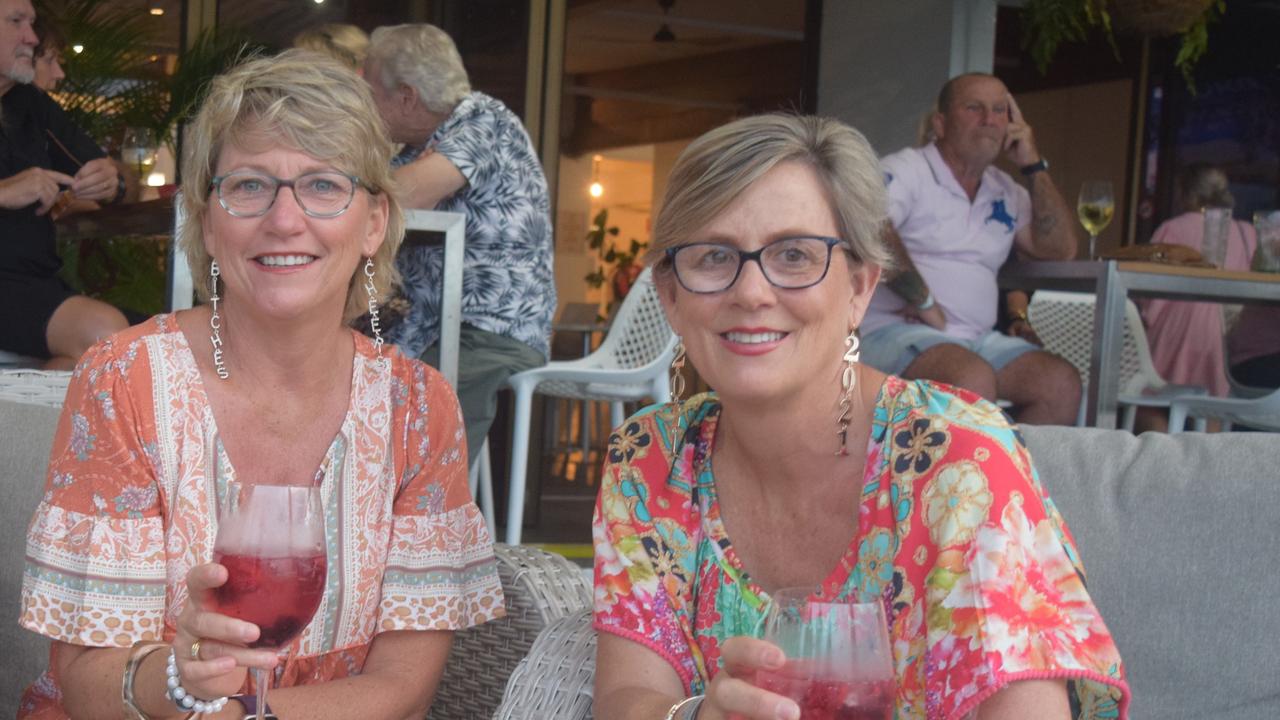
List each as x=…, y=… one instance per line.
x=619, y=261
x=1047, y=24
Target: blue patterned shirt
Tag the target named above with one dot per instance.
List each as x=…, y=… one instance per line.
x=508, y=283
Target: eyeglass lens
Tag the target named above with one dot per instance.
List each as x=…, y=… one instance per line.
x=321, y=194
x=789, y=263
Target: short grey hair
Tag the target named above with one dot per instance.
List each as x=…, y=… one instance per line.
x=423, y=57
x=721, y=164
x=306, y=101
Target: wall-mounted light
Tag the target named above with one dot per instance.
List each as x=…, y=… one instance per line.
x=596, y=188
x=77, y=48
x=155, y=7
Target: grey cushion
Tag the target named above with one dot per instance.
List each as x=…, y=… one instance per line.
x=26, y=435
x=1180, y=537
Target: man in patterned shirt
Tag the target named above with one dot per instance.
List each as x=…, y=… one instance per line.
x=466, y=152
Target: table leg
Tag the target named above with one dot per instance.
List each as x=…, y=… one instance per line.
x=1108, y=333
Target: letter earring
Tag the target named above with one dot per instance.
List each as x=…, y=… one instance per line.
x=372, y=289
x=215, y=323
x=848, y=381
x=677, y=378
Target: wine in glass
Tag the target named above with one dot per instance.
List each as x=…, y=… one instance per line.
x=138, y=150
x=839, y=661
x=1095, y=207
x=271, y=541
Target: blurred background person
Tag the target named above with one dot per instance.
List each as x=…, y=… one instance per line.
x=345, y=43
x=466, y=152
x=1186, y=338
x=49, y=45
x=45, y=160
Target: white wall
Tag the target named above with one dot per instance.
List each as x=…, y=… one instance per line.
x=882, y=63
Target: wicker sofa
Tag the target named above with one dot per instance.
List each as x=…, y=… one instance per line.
x=1179, y=536
x=539, y=586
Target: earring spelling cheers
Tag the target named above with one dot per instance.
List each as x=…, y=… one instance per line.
x=848, y=381
x=215, y=322
x=677, y=379
x=370, y=288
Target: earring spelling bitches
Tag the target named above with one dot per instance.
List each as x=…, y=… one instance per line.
x=848, y=380
x=215, y=323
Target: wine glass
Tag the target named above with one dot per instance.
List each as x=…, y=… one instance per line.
x=138, y=150
x=271, y=541
x=1095, y=207
x=839, y=661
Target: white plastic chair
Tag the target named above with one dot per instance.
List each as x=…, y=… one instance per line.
x=1261, y=412
x=1064, y=322
x=632, y=363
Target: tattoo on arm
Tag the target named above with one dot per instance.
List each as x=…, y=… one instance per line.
x=906, y=282
x=1045, y=224
x=1052, y=230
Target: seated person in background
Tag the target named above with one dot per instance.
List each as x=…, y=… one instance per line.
x=809, y=469
x=347, y=44
x=286, y=224
x=48, y=57
x=42, y=152
x=1254, y=344
x=954, y=218
x=466, y=152
x=1186, y=337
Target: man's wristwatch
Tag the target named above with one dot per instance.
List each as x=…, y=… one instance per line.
x=1035, y=167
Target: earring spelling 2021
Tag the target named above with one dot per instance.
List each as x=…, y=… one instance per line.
x=677, y=378
x=848, y=380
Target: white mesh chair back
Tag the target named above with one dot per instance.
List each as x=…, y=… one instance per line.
x=640, y=331
x=1064, y=322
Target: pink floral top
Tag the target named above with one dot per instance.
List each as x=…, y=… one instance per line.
x=979, y=576
x=138, y=464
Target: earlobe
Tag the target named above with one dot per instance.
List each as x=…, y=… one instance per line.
x=377, y=228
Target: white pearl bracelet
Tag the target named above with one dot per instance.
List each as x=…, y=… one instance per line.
x=183, y=699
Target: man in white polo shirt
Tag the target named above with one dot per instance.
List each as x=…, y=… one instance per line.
x=955, y=218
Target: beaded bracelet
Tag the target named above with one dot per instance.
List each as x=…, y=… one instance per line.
x=183, y=699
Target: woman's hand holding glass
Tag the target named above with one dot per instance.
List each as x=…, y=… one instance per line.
x=224, y=655
x=733, y=695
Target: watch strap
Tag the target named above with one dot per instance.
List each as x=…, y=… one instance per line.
x=1035, y=167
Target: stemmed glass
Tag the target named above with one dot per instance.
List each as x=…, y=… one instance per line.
x=1095, y=207
x=839, y=661
x=138, y=149
x=271, y=541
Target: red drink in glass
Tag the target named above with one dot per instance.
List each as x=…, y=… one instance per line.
x=278, y=594
x=826, y=698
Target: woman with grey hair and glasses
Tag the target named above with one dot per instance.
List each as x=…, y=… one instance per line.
x=807, y=470
x=293, y=223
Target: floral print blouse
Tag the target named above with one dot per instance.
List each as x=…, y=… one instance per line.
x=131, y=507
x=979, y=575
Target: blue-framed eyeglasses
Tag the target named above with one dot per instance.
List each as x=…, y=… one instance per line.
x=790, y=263
x=248, y=193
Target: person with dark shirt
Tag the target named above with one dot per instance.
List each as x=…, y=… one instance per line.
x=41, y=153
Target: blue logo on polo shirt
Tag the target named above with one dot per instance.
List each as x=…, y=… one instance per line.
x=1001, y=215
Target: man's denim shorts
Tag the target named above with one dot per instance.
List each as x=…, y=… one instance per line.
x=893, y=347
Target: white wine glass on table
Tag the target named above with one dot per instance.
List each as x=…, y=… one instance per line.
x=138, y=150
x=271, y=541
x=839, y=661
x=1095, y=208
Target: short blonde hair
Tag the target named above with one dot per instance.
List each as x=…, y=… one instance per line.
x=347, y=44
x=310, y=103
x=724, y=162
x=423, y=57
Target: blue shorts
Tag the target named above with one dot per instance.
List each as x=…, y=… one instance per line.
x=893, y=347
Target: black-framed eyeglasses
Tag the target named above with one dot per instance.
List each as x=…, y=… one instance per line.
x=790, y=263
x=324, y=194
